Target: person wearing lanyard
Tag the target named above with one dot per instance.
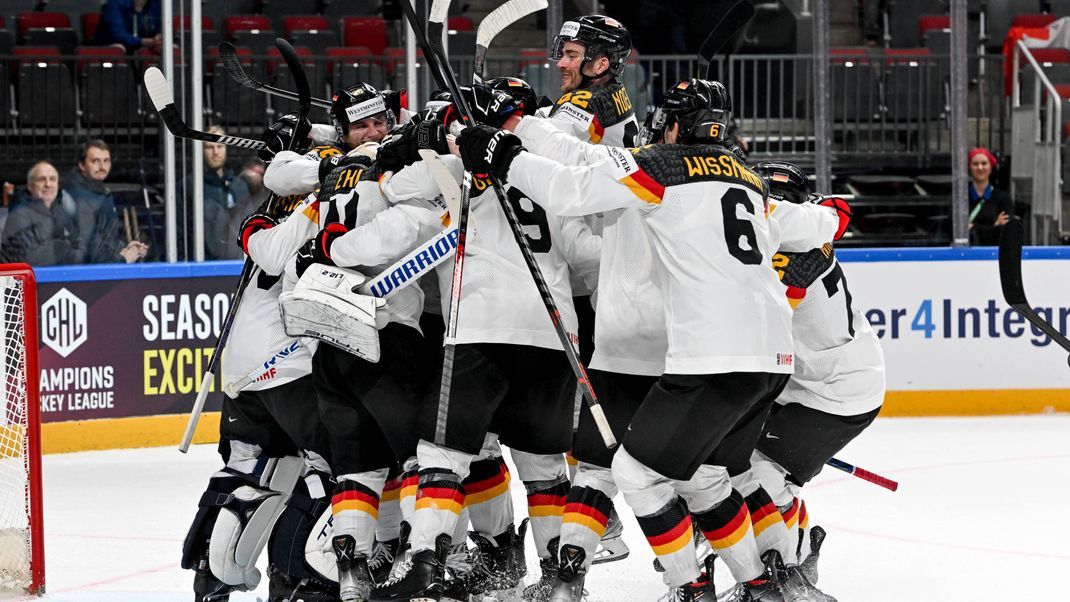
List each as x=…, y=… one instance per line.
x=131, y=24
x=989, y=208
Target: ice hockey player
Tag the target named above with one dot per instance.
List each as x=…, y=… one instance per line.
x=269, y=417
x=837, y=388
x=713, y=244
x=362, y=117
x=511, y=379
x=591, y=53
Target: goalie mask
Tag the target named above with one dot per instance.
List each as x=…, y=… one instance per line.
x=701, y=107
x=352, y=104
x=600, y=36
x=787, y=182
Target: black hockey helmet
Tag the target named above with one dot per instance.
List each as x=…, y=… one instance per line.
x=702, y=108
x=526, y=99
x=600, y=36
x=350, y=105
x=787, y=182
x=290, y=126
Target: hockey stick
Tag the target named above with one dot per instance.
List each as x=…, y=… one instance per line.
x=864, y=474
x=732, y=20
x=228, y=56
x=297, y=71
x=1010, y=278
x=432, y=45
x=451, y=193
x=496, y=22
x=162, y=97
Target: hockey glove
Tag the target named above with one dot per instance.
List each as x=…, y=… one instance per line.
x=252, y=224
x=844, y=211
x=318, y=248
x=488, y=150
x=489, y=106
x=278, y=137
x=395, y=101
x=331, y=163
x=402, y=147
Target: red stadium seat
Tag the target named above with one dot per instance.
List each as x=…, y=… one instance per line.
x=185, y=23
x=533, y=56
x=32, y=54
x=931, y=22
x=304, y=23
x=1051, y=55
x=275, y=57
x=41, y=20
x=905, y=55
x=348, y=54
x=365, y=31
x=235, y=23
x=1033, y=20
x=459, y=24
x=98, y=54
x=89, y=27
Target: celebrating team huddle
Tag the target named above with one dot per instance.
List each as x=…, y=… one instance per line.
x=728, y=360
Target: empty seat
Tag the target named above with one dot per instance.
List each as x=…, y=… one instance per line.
x=855, y=86
x=236, y=23
x=304, y=23
x=1055, y=62
x=350, y=65
x=314, y=71
x=369, y=32
x=927, y=23
x=45, y=88
x=90, y=21
x=107, y=87
x=459, y=24
x=277, y=10
x=64, y=38
x=912, y=89
x=234, y=104
x=260, y=41
x=529, y=56
x=185, y=23
x=40, y=20
x=336, y=10
x=312, y=31
x=1033, y=20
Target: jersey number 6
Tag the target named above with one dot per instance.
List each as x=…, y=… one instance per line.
x=736, y=229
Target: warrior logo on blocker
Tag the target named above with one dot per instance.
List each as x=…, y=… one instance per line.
x=64, y=326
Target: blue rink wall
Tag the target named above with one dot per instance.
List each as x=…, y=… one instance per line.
x=123, y=347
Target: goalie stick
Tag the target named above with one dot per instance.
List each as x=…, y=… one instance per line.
x=1010, y=278
x=432, y=47
x=163, y=99
x=297, y=71
x=228, y=56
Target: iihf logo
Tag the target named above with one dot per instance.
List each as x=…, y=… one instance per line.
x=64, y=326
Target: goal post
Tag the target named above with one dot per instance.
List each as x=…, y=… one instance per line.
x=22, y=558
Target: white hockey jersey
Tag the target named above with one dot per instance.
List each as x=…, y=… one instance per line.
x=500, y=303
x=706, y=216
x=839, y=365
x=629, y=332
x=600, y=114
x=258, y=346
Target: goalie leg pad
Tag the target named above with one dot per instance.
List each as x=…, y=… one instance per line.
x=244, y=522
x=325, y=306
x=295, y=530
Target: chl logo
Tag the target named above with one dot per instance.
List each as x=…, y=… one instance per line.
x=64, y=326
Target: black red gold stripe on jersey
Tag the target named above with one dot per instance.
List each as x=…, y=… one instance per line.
x=644, y=187
x=763, y=512
x=727, y=523
x=547, y=500
x=351, y=496
x=595, y=130
x=588, y=508
x=391, y=490
x=804, y=518
x=486, y=480
x=795, y=296
x=791, y=514
x=440, y=490
x=669, y=531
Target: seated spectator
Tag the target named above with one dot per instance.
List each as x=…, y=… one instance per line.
x=253, y=174
x=131, y=24
x=85, y=183
x=989, y=208
x=223, y=190
x=42, y=224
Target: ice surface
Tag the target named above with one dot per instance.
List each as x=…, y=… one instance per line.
x=978, y=517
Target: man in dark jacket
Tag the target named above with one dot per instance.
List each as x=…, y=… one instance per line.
x=223, y=190
x=42, y=224
x=133, y=24
x=85, y=182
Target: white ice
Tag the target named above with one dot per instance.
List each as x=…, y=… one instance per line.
x=978, y=517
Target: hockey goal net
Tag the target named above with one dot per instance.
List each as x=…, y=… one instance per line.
x=22, y=567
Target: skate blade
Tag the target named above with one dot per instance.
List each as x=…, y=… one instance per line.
x=611, y=550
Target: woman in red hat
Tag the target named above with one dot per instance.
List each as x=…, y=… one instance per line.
x=989, y=208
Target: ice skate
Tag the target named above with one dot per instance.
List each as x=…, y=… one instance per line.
x=424, y=579
x=764, y=588
x=699, y=590
x=284, y=588
x=612, y=546
x=382, y=559
x=495, y=570
x=568, y=586
x=540, y=590
x=354, y=578
x=798, y=589
x=809, y=564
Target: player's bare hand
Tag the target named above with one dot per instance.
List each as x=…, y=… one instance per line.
x=1002, y=218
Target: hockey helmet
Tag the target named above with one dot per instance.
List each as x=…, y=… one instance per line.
x=600, y=36
x=702, y=108
x=787, y=182
x=350, y=105
x=522, y=92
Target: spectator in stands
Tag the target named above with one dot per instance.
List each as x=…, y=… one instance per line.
x=223, y=190
x=989, y=208
x=42, y=225
x=85, y=183
x=132, y=24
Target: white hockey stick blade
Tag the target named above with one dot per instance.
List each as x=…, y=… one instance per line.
x=450, y=188
x=159, y=89
x=504, y=16
x=195, y=414
x=439, y=10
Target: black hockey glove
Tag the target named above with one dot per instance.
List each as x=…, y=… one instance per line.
x=331, y=163
x=277, y=137
x=252, y=224
x=488, y=150
x=402, y=147
x=395, y=101
x=489, y=106
x=318, y=248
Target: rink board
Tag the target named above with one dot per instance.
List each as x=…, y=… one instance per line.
x=123, y=347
